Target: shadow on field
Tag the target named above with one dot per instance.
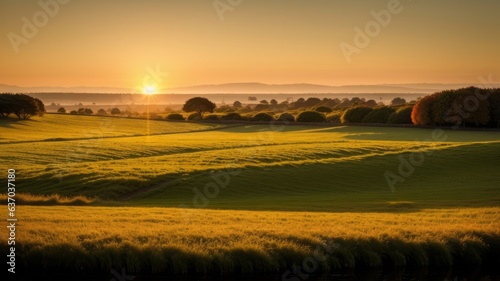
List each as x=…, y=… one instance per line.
x=9, y=122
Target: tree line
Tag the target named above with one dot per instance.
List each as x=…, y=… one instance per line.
x=20, y=105
x=471, y=107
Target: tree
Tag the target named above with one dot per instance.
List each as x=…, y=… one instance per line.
x=443, y=102
x=273, y=102
x=6, y=107
x=355, y=114
x=73, y=112
x=21, y=105
x=252, y=98
x=41, y=107
x=233, y=116
x=494, y=101
x=261, y=107
x=200, y=105
x=398, y=101
x=402, y=115
x=379, y=115
x=357, y=101
x=175, y=116
x=101, y=112
x=264, y=102
x=311, y=102
x=61, y=110
x=478, y=109
x=262, y=116
x=24, y=106
x=421, y=113
x=88, y=111
x=334, y=117
x=311, y=116
x=286, y=117
x=115, y=111
x=323, y=109
x=236, y=104
x=371, y=103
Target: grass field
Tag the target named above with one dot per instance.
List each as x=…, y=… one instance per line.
x=182, y=241
x=196, y=198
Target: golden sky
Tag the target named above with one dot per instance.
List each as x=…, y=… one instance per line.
x=111, y=43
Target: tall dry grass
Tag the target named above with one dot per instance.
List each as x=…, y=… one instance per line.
x=49, y=200
x=183, y=241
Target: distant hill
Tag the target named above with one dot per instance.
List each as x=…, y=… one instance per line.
x=256, y=88
x=260, y=88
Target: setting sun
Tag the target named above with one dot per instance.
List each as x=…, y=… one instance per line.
x=149, y=90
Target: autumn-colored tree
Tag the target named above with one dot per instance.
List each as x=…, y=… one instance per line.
x=421, y=113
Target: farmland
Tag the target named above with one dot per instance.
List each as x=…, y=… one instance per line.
x=252, y=198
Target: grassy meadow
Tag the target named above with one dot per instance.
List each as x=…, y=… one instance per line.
x=184, y=197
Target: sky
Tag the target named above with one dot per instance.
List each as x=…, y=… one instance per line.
x=117, y=43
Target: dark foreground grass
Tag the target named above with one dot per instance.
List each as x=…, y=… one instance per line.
x=346, y=253
x=145, y=241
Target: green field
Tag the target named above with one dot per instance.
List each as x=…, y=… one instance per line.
x=270, y=167
x=307, y=184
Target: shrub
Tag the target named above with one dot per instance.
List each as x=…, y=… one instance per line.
x=262, y=117
x=211, y=117
x=355, y=114
x=401, y=116
x=334, y=117
x=231, y=116
x=379, y=115
x=261, y=107
x=311, y=116
x=398, y=101
x=115, y=111
x=174, y=116
x=323, y=109
x=193, y=116
x=88, y=111
x=286, y=117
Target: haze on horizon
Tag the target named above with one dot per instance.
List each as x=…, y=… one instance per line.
x=112, y=43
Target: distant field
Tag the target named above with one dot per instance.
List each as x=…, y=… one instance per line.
x=66, y=127
x=275, y=194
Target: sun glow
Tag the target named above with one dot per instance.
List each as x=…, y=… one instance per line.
x=149, y=90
